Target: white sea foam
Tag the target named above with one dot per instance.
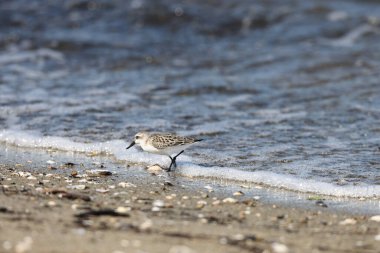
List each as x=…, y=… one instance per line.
x=350, y=38
x=116, y=148
x=281, y=181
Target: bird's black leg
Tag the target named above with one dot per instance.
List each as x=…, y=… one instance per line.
x=174, y=160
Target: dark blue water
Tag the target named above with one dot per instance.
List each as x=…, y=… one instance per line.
x=289, y=88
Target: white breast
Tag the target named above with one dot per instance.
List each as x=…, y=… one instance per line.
x=149, y=148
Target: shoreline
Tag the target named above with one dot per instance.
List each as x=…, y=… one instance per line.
x=65, y=207
x=348, y=204
x=284, y=182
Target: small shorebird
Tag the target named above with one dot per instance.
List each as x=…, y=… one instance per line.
x=163, y=144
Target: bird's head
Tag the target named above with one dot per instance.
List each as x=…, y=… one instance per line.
x=140, y=137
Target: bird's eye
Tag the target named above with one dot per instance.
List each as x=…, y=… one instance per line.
x=137, y=137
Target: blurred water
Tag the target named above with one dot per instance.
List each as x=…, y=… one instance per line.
x=285, y=87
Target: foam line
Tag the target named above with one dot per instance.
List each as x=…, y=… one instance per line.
x=116, y=148
x=281, y=181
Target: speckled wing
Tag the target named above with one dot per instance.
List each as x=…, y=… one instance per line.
x=167, y=140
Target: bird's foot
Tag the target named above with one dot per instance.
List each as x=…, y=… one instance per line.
x=172, y=164
x=173, y=161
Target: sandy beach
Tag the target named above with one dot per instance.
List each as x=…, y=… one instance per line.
x=81, y=208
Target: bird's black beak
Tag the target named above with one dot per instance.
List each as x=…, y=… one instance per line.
x=132, y=144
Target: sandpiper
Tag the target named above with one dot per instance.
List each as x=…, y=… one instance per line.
x=163, y=144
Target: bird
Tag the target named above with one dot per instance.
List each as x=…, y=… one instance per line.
x=163, y=144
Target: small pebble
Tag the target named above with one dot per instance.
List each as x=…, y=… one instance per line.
x=201, y=204
x=238, y=193
x=51, y=203
x=348, y=221
x=102, y=190
x=154, y=168
x=50, y=162
x=279, y=248
x=216, y=202
x=123, y=210
x=25, y=245
x=230, y=200
x=24, y=174
x=158, y=203
x=77, y=187
x=147, y=224
x=126, y=185
x=203, y=220
x=375, y=218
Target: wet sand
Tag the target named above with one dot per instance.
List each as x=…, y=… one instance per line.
x=68, y=208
